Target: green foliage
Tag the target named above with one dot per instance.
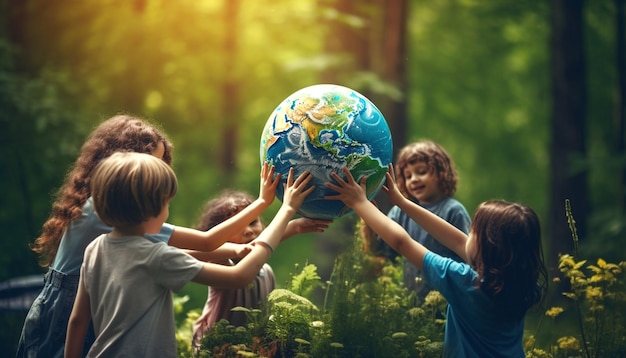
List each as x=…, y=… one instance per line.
x=306, y=281
x=184, y=332
x=366, y=312
x=41, y=133
x=598, y=296
x=40, y=136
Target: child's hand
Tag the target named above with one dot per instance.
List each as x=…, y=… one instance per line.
x=241, y=250
x=296, y=191
x=269, y=183
x=306, y=225
x=350, y=192
x=391, y=187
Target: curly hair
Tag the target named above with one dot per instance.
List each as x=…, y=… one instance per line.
x=437, y=159
x=223, y=207
x=509, y=256
x=118, y=133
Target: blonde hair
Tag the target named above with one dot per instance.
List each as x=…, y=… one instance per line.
x=129, y=188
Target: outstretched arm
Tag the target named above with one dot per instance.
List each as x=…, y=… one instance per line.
x=78, y=323
x=242, y=273
x=228, y=250
x=446, y=233
x=354, y=196
x=305, y=225
x=186, y=238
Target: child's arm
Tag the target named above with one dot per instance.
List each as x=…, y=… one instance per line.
x=228, y=250
x=187, y=238
x=305, y=225
x=78, y=323
x=446, y=233
x=353, y=195
x=245, y=271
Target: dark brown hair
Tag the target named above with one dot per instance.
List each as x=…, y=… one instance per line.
x=437, y=159
x=509, y=256
x=223, y=207
x=118, y=133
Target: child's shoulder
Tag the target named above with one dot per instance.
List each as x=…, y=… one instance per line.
x=452, y=202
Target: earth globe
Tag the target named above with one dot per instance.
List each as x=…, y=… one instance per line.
x=322, y=129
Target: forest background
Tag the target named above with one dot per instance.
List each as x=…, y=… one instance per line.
x=526, y=96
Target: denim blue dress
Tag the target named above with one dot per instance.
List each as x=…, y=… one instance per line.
x=45, y=327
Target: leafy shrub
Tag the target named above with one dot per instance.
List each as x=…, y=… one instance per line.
x=597, y=294
x=367, y=312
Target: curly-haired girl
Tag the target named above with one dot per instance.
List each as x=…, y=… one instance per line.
x=73, y=224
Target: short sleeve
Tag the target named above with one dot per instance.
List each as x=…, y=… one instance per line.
x=174, y=268
x=164, y=235
x=453, y=279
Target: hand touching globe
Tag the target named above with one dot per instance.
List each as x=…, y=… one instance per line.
x=321, y=129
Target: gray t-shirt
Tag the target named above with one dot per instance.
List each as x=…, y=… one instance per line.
x=130, y=282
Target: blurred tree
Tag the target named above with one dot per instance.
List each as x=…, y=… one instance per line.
x=231, y=90
x=620, y=102
x=41, y=135
x=568, y=126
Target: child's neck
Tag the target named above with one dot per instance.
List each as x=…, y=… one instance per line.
x=133, y=230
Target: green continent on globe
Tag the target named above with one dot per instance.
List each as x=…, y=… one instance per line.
x=322, y=129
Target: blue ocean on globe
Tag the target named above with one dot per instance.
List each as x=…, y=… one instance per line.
x=321, y=129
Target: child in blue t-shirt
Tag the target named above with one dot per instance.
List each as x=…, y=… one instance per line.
x=426, y=176
x=488, y=296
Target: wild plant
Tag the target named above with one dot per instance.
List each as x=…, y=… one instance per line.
x=597, y=294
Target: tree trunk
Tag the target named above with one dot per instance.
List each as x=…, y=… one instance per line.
x=394, y=59
x=230, y=90
x=344, y=40
x=568, y=141
x=620, y=105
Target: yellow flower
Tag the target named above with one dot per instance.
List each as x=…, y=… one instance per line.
x=529, y=343
x=416, y=312
x=538, y=353
x=554, y=311
x=594, y=293
x=568, y=343
x=434, y=298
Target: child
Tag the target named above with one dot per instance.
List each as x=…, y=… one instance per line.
x=221, y=301
x=426, y=175
x=72, y=225
x=489, y=295
x=126, y=280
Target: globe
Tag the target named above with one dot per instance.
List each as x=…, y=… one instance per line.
x=322, y=129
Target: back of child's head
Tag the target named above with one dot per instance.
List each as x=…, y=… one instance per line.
x=509, y=258
x=121, y=133
x=129, y=188
x=118, y=133
x=223, y=207
x=437, y=159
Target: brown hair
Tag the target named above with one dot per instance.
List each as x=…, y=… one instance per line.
x=129, y=188
x=118, y=133
x=437, y=159
x=509, y=256
x=223, y=207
